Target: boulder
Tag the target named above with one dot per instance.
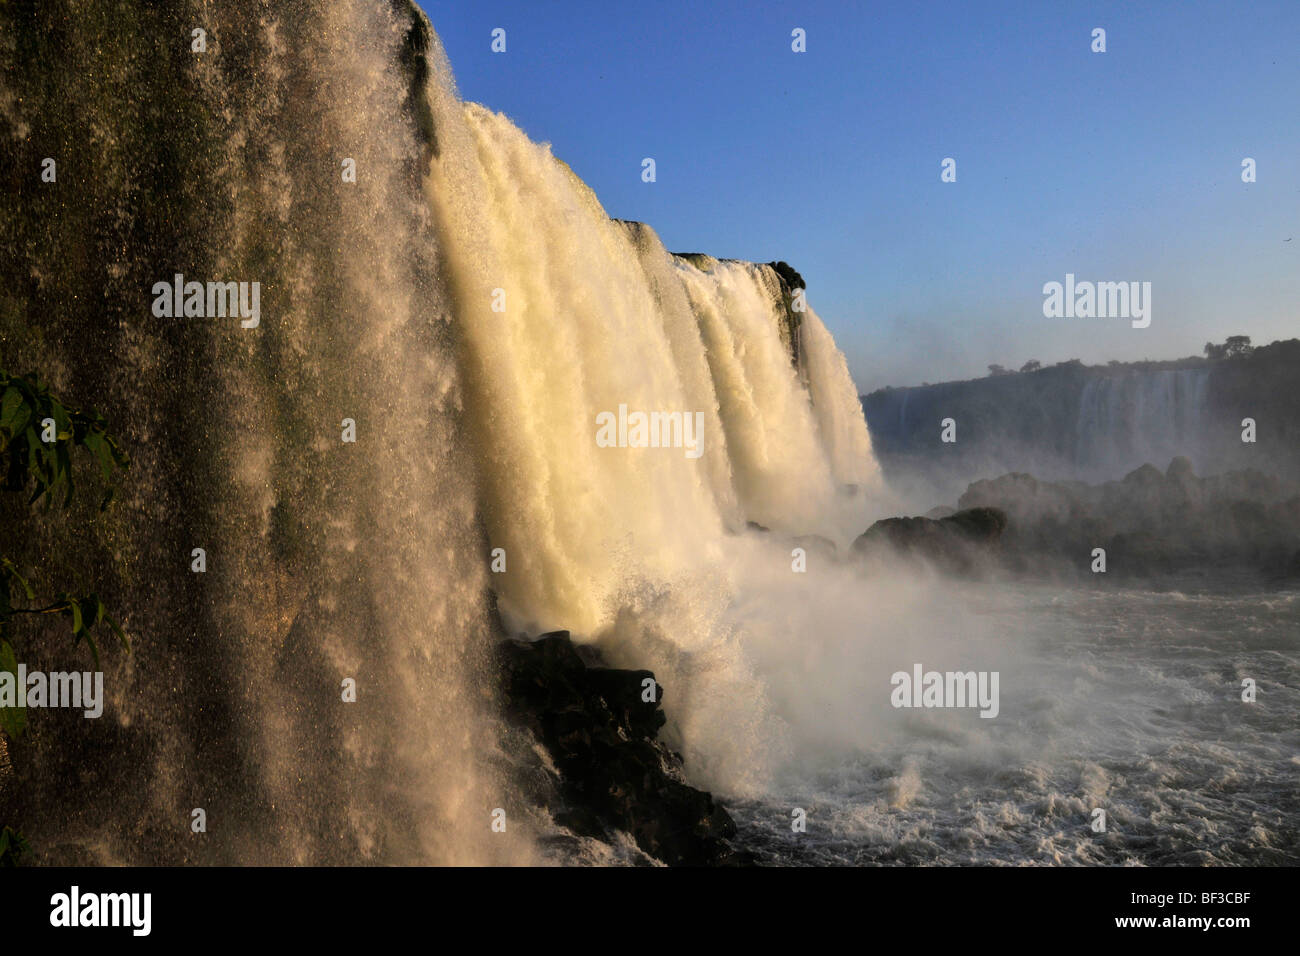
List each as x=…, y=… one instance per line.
x=957, y=543
x=613, y=772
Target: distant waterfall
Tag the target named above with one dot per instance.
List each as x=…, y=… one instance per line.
x=1065, y=422
x=1128, y=420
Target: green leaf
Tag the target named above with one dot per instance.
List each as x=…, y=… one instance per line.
x=24, y=404
x=12, y=571
x=13, y=412
x=94, y=648
x=12, y=719
x=116, y=629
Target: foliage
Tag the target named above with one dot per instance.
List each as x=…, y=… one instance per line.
x=1232, y=347
x=37, y=435
x=29, y=413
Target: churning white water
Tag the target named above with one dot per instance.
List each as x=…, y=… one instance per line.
x=1125, y=701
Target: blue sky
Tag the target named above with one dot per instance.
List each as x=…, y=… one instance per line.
x=1123, y=165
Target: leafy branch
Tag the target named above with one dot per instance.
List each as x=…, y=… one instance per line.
x=37, y=435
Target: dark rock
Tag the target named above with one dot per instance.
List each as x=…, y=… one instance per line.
x=415, y=62
x=979, y=525
x=956, y=543
x=1148, y=476
x=613, y=772
x=792, y=279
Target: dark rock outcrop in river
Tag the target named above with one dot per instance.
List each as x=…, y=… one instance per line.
x=958, y=543
x=601, y=735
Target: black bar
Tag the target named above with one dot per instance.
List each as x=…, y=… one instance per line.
x=975, y=905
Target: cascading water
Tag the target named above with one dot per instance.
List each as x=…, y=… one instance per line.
x=568, y=314
x=1065, y=422
x=1128, y=420
x=776, y=682
x=326, y=561
x=331, y=561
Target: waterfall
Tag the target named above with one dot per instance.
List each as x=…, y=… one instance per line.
x=1064, y=422
x=472, y=311
x=1130, y=419
x=326, y=561
x=595, y=314
x=566, y=314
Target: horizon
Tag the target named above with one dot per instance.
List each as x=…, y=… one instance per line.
x=831, y=160
x=1202, y=359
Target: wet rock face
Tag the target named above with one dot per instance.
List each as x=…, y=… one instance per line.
x=600, y=731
